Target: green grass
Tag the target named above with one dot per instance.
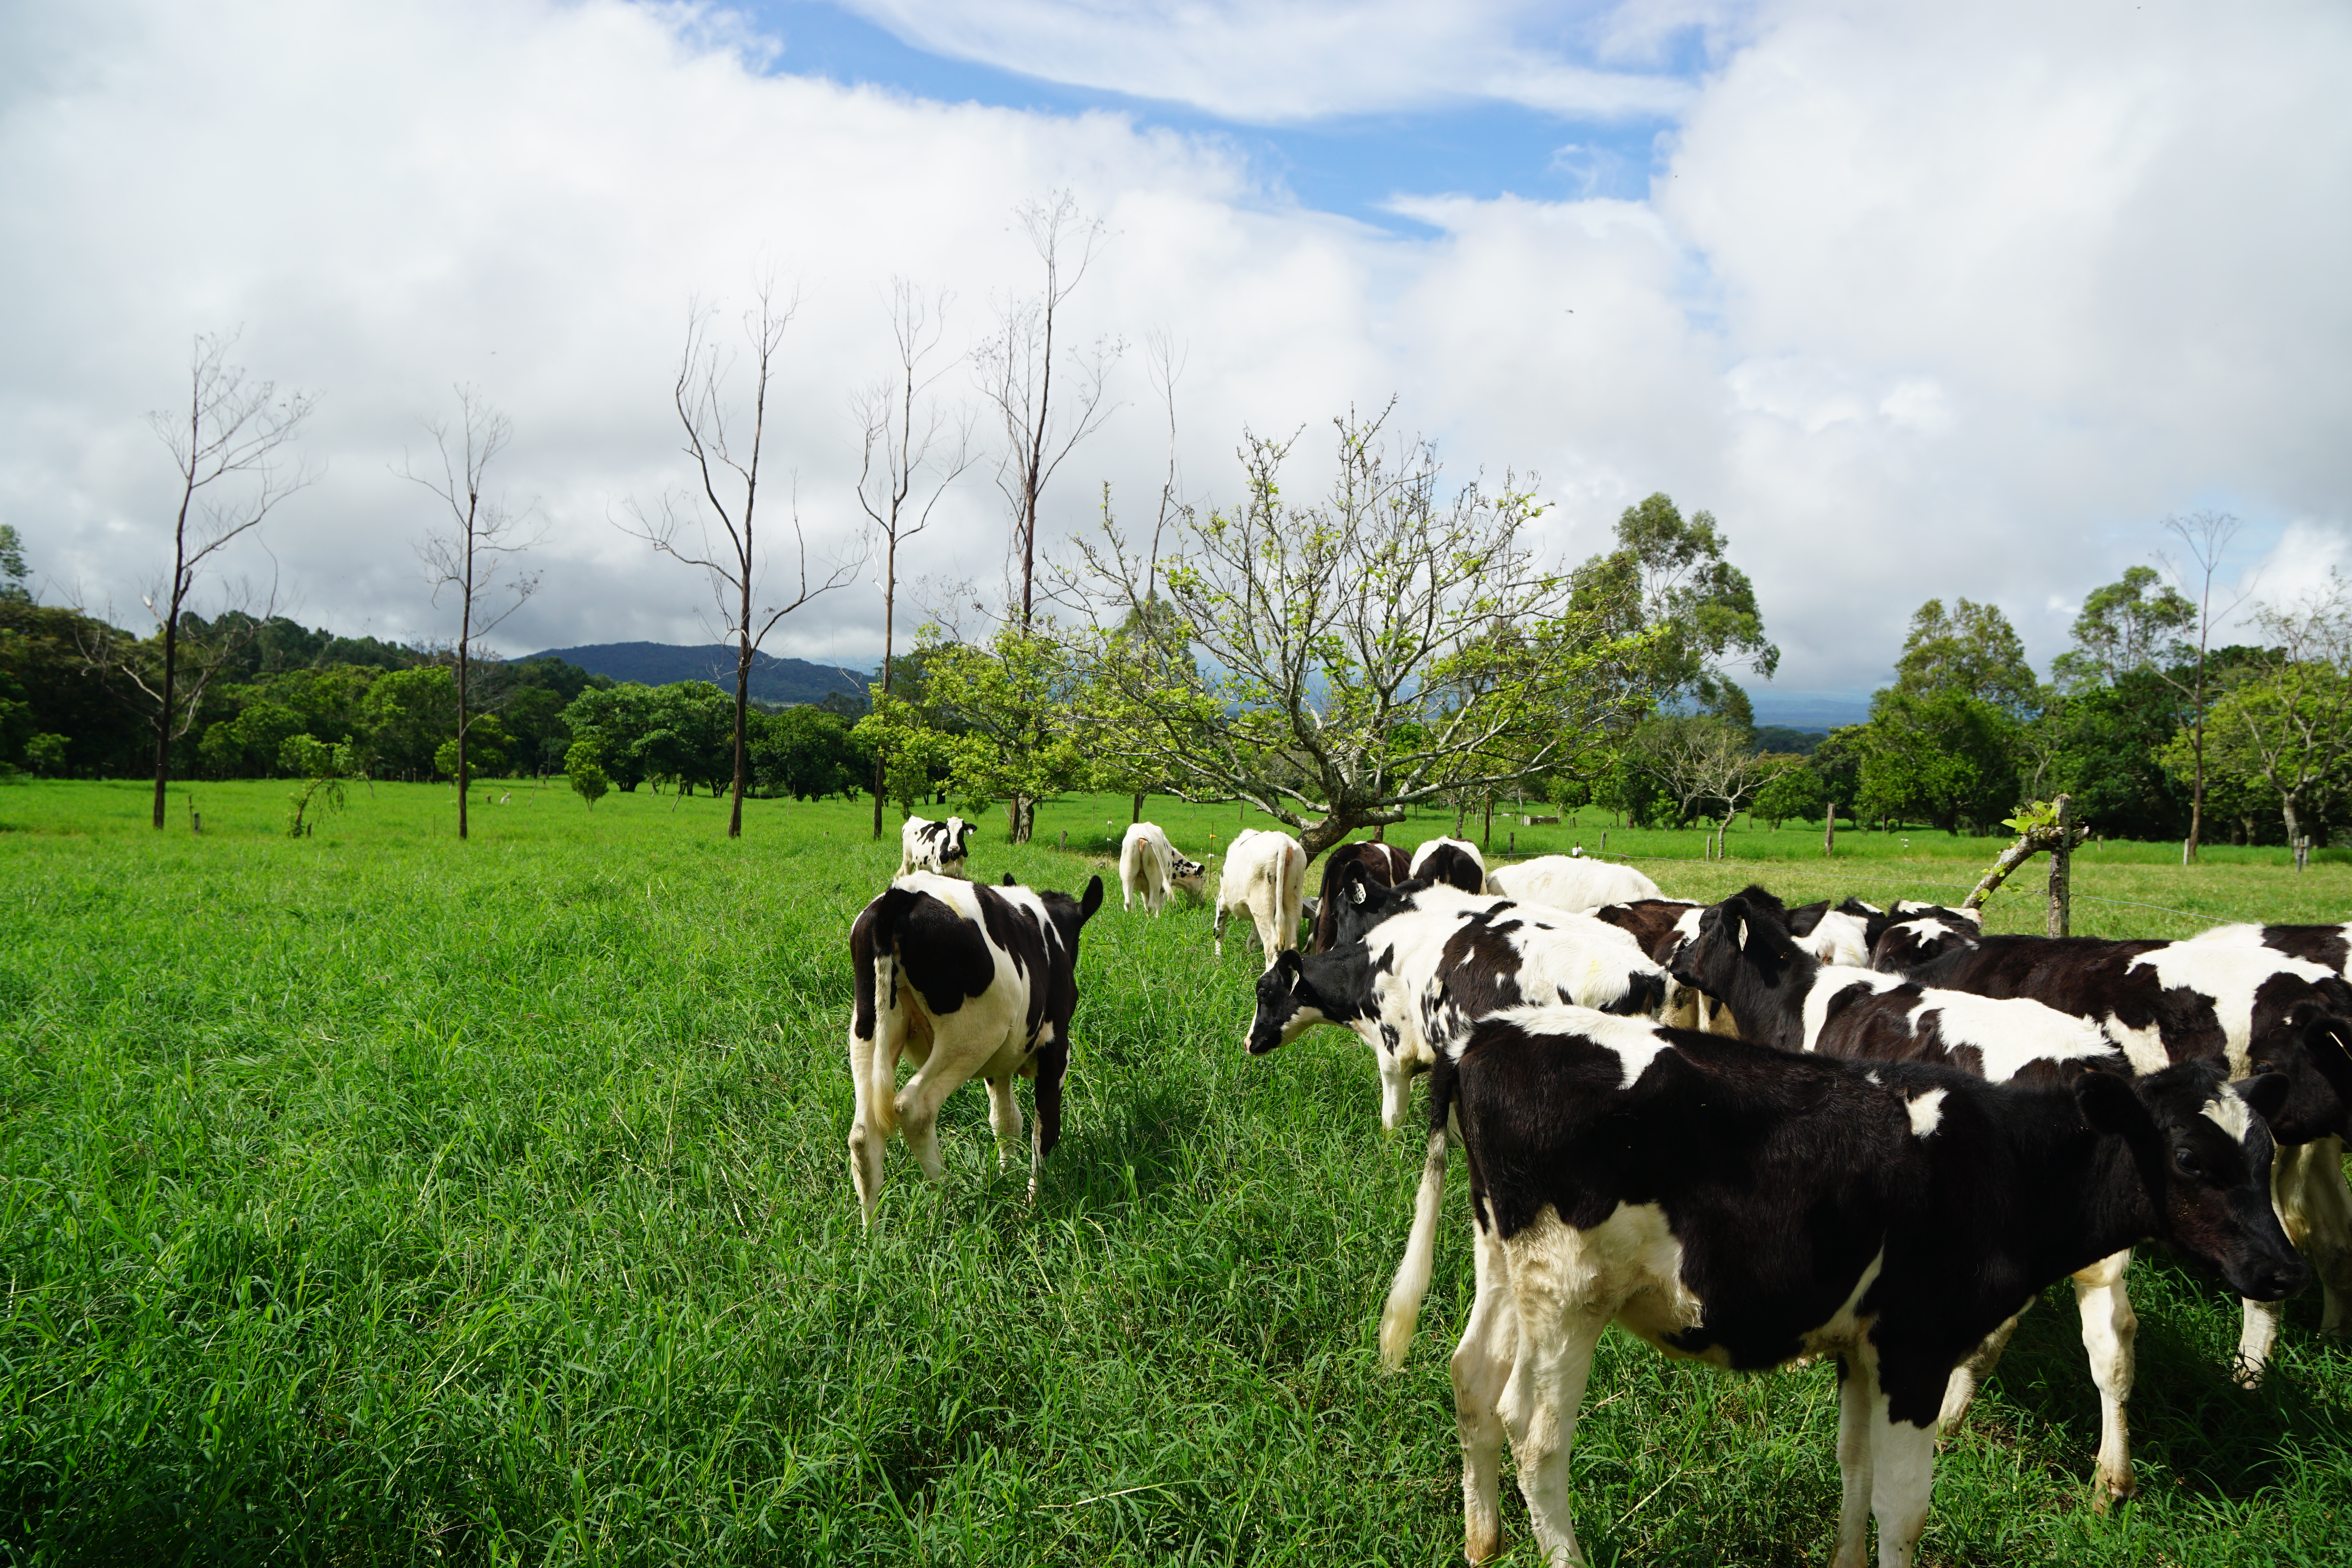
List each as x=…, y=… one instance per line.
x=375, y=1197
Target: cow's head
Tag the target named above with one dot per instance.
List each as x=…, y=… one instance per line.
x=1296, y=993
x=1741, y=939
x=955, y=843
x=1189, y=877
x=2311, y=1053
x=1364, y=902
x=2202, y=1149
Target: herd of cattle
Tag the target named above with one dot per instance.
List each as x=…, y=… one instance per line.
x=1745, y=1133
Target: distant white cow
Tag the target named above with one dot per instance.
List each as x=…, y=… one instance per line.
x=1264, y=877
x=1573, y=883
x=1148, y=865
x=927, y=846
x=1454, y=862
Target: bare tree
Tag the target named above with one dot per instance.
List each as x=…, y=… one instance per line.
x=473, y=552
x=911, y=443
x=230, y=449
x=1701, y=760
x=1016, y=369
x=680, y=524
x=2206, y=536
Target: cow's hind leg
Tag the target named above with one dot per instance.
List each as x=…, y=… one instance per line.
x=919, y=1110
x=1052, y=1061
x=1481, y=1365
x=1902, y=1477
x=2109, y=1328
x=2308, y=1186
x=866, y=1138
x=1560, y=1324
x=1960, y=1390
x=1003, y=1119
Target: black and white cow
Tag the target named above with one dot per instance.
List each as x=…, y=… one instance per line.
x=2207, y=998
x=1903, y=938
x=928, y=845
x=1743, y=1206
x=1577, y=883
x=1454, y=862
x=971, y=982
x=1417, y=965
x=1384, y=863
x=1150, y=867
x=1839, y=935
x=1745, y=957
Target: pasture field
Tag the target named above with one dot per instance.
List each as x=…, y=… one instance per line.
x=377, y=1198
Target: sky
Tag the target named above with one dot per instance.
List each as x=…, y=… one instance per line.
x=1917, y=301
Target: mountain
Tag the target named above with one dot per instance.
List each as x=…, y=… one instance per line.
x=773, y=679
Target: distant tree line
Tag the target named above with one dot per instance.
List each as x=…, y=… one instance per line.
x=282, y=690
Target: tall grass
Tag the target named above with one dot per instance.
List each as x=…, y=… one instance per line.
x=372, y=1197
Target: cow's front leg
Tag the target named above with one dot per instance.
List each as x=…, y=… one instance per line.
x=1003, y=1119
x=1481, y=1365
x=2307, y=1187
x=1217, y=931
x=1857, y=1394
x=1395, y=1080
x=2256, y=1337
x=1902, y=1465
x=2109, y=1329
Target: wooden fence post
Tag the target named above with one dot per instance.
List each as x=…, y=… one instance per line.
x=1829, y=832
x=2062, y=854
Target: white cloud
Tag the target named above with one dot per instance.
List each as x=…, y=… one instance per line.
x=1925, y=301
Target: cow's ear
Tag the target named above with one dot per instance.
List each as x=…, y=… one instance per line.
x=2110, y=1105
x=2264, y=1094
x=1090, y=900
x=1359, y=885
x=1009, y=881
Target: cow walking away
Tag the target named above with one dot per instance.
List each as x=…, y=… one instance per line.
x=1264, y=877
x=1743, y=1206
x=1149, y=867
x=970, y=981
x=928, y=845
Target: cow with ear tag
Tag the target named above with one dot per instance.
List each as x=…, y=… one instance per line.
x=968, y=980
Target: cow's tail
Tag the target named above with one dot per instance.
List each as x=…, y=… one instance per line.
x=1402, y=1312
x=884, y=1010
x=1289, y=877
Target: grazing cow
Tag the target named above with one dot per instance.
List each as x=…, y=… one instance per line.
x=1149, y=867
x=2205, y=998
x=1570, y=882
x=971, y=982
x=1417, y=965
x=1265, y=877
x=1384, y=863
x=1783, y=997
x=1456, y=862
x=927, y=846
x=1744, y=1206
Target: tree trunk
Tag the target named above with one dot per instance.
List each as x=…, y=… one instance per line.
x=1138, y=807
x=2062, y=854
x=889, y=597
x=163, y=714
x=2294, y=828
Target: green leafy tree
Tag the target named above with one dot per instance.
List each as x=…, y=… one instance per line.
x=480, y=753
x=407, y=714
x=1000, y=720
x=13, y=570
x=2287, y=719
x=1794, y=791
x=1948, y=758
x=322, y=768
x=808, y=753
x=46, y=755
x=1669, y=575
x=247, y=746
x=584, y=766
x=2128, y=628
x=1971, y=651
x=1334, y=664
x=1703, y=765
